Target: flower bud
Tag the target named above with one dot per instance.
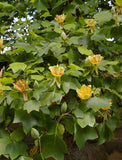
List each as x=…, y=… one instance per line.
x=34, y=133
x=63, y=107
x=63, y=36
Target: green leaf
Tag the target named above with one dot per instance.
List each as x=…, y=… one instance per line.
x=37, y=77
x=105, y=133
x=46, y=14
x=59, y=3
x=32, y=105
x=27, y=120
x=16, y=149
x=17, y=66
x=103, y=17
x=69, y=26
x=98, y=36
x=113, y=122
x=84, y=134
x=50, y=97
x=33, y=26
x=69, y=124
x=119, y=17
x=84, y=51
x=78, y=113
x=75, y=67
x=4, y=141
x=53, y=146
x=5, y=88
x=18, y=50
x=73, y=40
x=88, y=119
x=2, y=114
x=40, y=5
x=119, y=85
x=2, y=98
x=70, y=85
x=17, y=135
x=110, y=62
x=98, y=102
x=6, y=80
x=41, y=69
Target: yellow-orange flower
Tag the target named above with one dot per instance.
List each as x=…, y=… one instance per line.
x=60, y=18
x=84, y=92
x=91, y=22
x=57, y=71
x=95, y=59
x=21, y=86
x=1, y=42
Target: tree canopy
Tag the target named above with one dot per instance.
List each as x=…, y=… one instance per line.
x=60, y=73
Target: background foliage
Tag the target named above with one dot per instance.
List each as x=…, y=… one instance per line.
x=32, y=42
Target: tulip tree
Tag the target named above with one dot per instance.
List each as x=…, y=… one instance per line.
x=60, y=73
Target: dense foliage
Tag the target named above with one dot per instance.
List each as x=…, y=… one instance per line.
x=60, y=74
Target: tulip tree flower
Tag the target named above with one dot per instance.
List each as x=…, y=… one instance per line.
x=84, y=92
x=64, y=36
x=21, y=86
x=91, y=22
x=60, y=19
x=95, y=59
x=57, y=72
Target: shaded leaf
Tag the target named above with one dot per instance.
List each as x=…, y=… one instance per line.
x=15, y=149
x=53, y=146
x=17, y=135
x=84, y=134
